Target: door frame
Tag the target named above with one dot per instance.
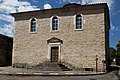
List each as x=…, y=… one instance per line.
x=59, y=50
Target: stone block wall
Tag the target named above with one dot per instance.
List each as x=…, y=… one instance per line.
x=80, y=48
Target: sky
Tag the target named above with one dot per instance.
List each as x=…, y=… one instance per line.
x=14, y=6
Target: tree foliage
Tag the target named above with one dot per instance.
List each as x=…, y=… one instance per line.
x=118, y=53
x=118, y=46
x=112, y=54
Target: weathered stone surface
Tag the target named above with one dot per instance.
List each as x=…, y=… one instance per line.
x=79, y=47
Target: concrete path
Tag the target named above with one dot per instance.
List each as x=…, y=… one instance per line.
x=29, y=72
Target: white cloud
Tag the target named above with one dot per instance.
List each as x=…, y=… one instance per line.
x=8, y=30
x=70, y=1
x=26, y=8
x=112, y=27
x=7, y=18
x=47, y=6
x=1, y=30
x=12, y=6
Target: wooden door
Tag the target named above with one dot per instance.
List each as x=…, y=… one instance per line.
x=54, y=54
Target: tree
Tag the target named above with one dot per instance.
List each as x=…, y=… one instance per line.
x=118, y=53
x=118, y=46
x=112, y=54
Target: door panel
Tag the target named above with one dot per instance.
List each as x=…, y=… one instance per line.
x=54, y=54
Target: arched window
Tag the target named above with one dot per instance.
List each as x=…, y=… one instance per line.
x=33, y=25
x=54, y=23
x=79, y=22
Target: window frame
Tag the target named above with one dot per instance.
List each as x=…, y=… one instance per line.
x=30, y=25
x=51, y=23
x=75, y=22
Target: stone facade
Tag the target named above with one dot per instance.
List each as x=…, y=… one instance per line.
x=78, y=49
x=6, y=44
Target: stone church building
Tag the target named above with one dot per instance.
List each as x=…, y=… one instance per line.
x=74, y=35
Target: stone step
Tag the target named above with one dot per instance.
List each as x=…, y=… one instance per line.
x=64, y=68
x=51, y=67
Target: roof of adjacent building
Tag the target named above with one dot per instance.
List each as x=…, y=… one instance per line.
x=5, y=36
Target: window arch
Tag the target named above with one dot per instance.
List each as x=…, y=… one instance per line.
x=79, y=22
x=33, y=25
x=54, y=23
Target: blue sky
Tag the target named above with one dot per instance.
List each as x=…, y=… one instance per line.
x=13, y=6
x=115, y=24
